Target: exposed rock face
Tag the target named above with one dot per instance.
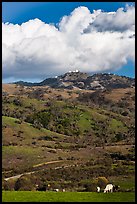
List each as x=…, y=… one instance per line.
x=74, y=76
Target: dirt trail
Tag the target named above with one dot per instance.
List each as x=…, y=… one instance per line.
x=18, y=176
x=31, y=172
x=50, y=162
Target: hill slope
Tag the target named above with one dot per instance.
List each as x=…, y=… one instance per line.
x=89, y=131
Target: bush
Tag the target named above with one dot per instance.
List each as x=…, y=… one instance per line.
x=18, y=121
x=118, y=156
x=101, y=182
x=119, y=136
x=8, y=185
x=42, y=187
x=45, y=138
x=60, y=158
x=17, y=102
x=90, y=187
x=25, y=183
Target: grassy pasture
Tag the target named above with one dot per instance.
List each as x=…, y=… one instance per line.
x=36, y=196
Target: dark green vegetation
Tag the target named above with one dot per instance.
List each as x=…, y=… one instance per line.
x=25, y=196
x=68, y=139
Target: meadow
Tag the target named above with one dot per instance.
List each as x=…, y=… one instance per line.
x=31, y=196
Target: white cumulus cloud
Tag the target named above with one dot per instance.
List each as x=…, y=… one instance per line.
x=91, y=42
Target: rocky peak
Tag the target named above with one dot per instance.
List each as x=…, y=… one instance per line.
x=73, y=76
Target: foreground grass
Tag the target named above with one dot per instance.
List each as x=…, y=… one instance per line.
x=35, y=196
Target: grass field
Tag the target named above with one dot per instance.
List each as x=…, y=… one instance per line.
x=31, y=196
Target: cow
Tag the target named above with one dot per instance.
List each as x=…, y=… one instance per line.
x=98, y=189
x=109, y=188
x=116, y=188
x=57, y=190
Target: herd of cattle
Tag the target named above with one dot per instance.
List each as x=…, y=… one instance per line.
x=109, y=188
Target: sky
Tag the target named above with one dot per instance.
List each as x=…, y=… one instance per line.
x=45, y=39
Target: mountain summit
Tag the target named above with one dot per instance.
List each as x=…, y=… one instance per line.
x=77, y=79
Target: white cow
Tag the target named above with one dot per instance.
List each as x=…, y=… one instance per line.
x=109, y=188
x=98, y=189
x=57, y=190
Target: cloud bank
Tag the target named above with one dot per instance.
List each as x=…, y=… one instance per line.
x=91, y=42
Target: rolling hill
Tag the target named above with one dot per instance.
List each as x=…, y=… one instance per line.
x=75, y=122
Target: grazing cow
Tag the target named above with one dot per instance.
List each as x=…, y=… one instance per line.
x=109, y=188
x=98, y=189
x=57, y=190
x=115, y=188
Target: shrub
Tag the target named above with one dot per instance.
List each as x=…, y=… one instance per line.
x=25, y=183
x=60, y=158
x=90, y=187
x=34, y=142
x=119, y=136
x=45, y=138
x=18, y=121
x=118, y=156
x=60, y=129
x=17, y=102
x=8, y=185
x=42, y=187
x=101, y=182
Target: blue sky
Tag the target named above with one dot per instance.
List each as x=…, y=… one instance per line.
x=52, y=12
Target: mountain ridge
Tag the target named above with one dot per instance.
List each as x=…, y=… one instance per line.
x=81, y=80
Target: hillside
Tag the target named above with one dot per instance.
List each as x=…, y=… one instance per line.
x=52, y=132
x=77, y=79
